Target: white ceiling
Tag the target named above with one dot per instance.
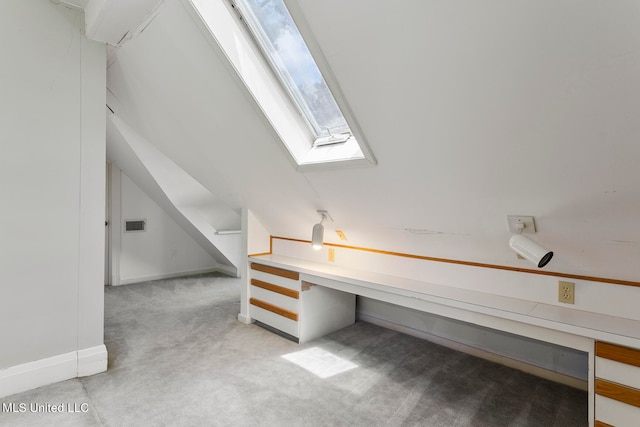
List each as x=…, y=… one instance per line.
x=474, y=110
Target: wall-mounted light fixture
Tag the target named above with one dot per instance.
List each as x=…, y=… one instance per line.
x=524, y=246
x=317, y=236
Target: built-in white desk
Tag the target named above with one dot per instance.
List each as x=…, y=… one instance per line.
x=324, y=301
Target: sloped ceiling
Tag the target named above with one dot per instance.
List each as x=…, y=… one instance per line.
x=474, y=110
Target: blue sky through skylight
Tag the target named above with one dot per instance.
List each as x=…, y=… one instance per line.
x=275, y=30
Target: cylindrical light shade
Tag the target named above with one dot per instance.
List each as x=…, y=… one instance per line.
x=530, y=250
x=317, y=236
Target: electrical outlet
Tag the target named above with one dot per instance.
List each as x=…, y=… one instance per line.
x=332, y=255
x=566, y=292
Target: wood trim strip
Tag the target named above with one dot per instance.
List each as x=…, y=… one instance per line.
x=291, y=293
x=475, y=264
x=293, y=275
x=601, y=424
x=618, y=353
x=262, y=254
x=621, y=393
x=274, y=309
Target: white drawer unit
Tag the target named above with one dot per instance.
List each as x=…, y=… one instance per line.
x=302, y=310
x=617, y=386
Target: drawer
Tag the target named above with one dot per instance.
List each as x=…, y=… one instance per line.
x=616, y=413
x=275, y=298
x=275, y=271
x=617, y=385
x=276, y=280
x=617, y=372
x=626, y=355
x=618, y=364
x=263, y=313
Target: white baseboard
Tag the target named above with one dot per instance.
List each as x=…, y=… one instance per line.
x=168, y=276
x=28, y=376
x=81, y=363
x=92, y=360
x=229, y=270
x=483, y=354
x=245, y=319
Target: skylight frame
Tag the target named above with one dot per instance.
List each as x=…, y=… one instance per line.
x=233, y=42
x=323, y=135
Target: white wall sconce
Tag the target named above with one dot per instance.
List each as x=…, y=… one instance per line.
x=522, y=245
x=317, y=236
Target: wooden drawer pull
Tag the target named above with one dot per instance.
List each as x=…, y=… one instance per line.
x=618, y=353
x=274, y=309
x=624, y=394
x=293, y=275
x=275, y=288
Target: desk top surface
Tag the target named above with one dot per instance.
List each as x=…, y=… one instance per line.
x=583, y=323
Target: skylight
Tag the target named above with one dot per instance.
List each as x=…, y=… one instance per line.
x=277, y=35
x=275, y=65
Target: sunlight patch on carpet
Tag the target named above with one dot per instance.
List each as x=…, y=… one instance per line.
x=320, y=362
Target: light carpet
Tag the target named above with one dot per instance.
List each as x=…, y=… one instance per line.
x=179, y=357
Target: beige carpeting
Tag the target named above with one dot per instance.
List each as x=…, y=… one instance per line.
x=179, y=357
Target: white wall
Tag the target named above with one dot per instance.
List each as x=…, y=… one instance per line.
x=184, y=199
x=52, y=172
x=620, y=301
x=92, y=194
x=163, y=250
